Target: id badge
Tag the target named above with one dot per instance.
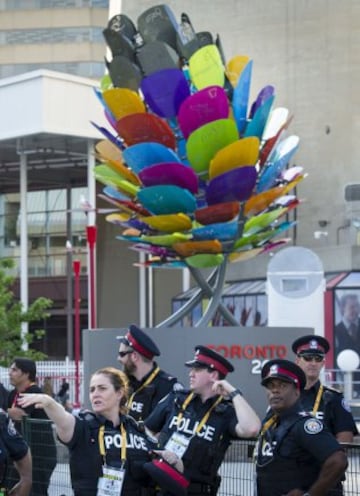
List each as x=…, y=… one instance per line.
x=178, y=444
x=110, y=484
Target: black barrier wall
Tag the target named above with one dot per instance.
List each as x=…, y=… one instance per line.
x=247, y=348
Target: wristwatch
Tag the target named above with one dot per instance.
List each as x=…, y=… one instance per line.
x=234, y=393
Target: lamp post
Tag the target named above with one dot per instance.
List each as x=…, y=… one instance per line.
x=91, y=232
x=76, y=270
x=348, y=361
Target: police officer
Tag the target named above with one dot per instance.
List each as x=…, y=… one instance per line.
x=295, y=454
x=148, y=383
x=197, y=425
x=322, y=402
x=107, y=448
x=14, y=446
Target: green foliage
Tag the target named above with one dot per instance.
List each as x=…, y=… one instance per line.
x=12, y=316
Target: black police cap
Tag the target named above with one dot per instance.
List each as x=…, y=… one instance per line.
x=310, y=345
x=283, y=370
x=206, y=357
x=140, y=342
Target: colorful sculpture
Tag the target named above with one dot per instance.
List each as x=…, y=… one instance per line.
x=199, y=176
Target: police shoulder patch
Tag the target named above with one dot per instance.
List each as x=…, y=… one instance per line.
x=313, y=426
x=345, y=405
x=11, y=428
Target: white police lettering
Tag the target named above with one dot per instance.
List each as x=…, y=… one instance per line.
x=267, y=449
x=317, y=415
x=11, y=428
x=137, y=407
x=206, y=431
x=134, y=441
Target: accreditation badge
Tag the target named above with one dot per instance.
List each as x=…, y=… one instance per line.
x=110, y=484
x=178, y=444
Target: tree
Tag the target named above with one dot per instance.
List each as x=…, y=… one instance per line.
x=12, y=316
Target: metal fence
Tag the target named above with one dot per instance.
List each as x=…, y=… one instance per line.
x=56, y=370
x=237, y=471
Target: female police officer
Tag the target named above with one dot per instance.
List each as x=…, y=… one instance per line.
x=107, y=449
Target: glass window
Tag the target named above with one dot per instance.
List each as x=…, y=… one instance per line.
x=48, y=4
x=248, y=309
x=55, y=35
x=93, y=70
x=351, y=280
x=47, y=232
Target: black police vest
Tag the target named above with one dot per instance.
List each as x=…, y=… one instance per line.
x=85, y=470
x=282, y=472
x=142, y=403
x=202, y=459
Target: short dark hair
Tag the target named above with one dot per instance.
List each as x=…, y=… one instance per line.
x=27, y=366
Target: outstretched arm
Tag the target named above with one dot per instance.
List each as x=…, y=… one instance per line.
x=248, y=422
x=64, y=421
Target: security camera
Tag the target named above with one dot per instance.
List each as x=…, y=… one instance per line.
x=323, y=223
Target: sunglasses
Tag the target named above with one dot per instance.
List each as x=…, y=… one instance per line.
x=124, y=353
x=311, y=358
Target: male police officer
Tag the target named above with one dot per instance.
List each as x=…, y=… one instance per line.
x=148, y=383
x=197, y=425
x=295, y=454
x=322, y=402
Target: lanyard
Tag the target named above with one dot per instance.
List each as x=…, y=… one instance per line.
x=317, y=400
x=269, y=423
x=146, y=383
x=205, y=417
x=123, y=443
x=20, y=392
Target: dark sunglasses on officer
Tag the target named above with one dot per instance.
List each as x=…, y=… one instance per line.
x=125, y=352
x=312, y=358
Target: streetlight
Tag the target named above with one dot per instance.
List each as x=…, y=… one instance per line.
x=348, y=361
x=91, y=232
x=77, y=298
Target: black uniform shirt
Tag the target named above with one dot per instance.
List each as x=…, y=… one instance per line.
x=333, y=409
x=86, y=461
x=291, y=452
x=207, y=448
x=144, y=399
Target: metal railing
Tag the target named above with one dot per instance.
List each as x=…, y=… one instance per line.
x=238, y=470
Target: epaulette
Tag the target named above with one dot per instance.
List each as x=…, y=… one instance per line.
x=87, y=415
x=332, y=390
x=137, y=424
